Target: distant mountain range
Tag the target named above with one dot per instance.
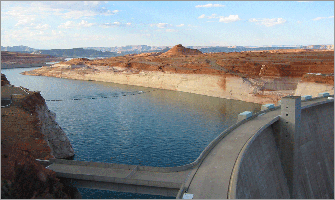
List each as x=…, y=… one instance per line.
x=135, y=49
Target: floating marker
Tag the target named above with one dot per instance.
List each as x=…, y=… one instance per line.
x=306, y=97
x=244, y=115
x=324, y=94
x=267, y=106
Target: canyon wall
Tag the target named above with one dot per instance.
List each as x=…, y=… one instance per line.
x=310, y=88
x=56, y=137
x=57, y=140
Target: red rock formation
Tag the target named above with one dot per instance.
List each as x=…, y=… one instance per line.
x=24, y=178
x=77, y=61
x=281, y=63
x=4, y=80
x=179, y=50
x=319, y=78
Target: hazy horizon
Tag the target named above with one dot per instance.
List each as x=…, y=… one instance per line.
x=263, y=46
x=78, y=24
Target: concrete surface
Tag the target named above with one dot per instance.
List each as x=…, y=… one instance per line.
x=211, y=179
x=116, y=177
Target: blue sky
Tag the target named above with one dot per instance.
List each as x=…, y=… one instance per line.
x=72, y=24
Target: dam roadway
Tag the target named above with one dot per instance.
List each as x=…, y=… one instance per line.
x=251, y=159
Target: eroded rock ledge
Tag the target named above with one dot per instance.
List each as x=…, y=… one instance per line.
x=54, y=135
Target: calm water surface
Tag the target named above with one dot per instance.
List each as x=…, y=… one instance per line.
x=123, y=124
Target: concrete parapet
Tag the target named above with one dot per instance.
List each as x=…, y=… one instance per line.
x=319, y=103
x=306, y=97
x=244, y=115
x=45, y=163
x=267, y=106
x=92, y=164
x=324, y=94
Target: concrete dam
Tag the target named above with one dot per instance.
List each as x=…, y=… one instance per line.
x=285, y=151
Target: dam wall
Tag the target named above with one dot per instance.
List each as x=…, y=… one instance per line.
x=259, y=169
x=260, y=174
x=314, y=172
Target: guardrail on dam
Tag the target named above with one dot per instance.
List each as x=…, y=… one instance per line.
x=282, y=152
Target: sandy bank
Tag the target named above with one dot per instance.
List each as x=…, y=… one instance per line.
x=229, y=87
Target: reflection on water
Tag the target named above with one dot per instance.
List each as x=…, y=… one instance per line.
x=124, y=124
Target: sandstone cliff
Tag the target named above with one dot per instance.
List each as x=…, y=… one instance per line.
x=54, y=135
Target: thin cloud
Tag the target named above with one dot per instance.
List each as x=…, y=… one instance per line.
x=212, y=16
x=319, y=18
x=71, y=24
x=68, y=24
x=114, y=24
x=209, y=5
x=25, y=21
x=230, y=18
x=268, y=22
x=67, y=10
x=42, y=26
x=171, y=30
x=180, y=25
x=202, y=16
x=160, y=25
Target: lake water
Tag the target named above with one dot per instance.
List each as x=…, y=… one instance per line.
x=124, y=124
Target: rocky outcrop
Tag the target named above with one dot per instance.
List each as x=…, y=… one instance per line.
x=30, y=180
x=4, y=80
x=57, y=139
x=179, y=50
x=54, y=135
